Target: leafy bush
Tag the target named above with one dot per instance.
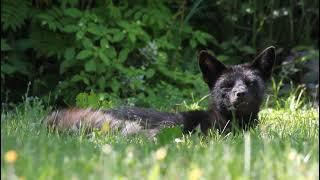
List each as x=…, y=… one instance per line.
x=136, y=49
x=162, y=96
x=118, y=48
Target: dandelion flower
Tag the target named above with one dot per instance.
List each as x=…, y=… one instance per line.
x=105, y=128
x=195, y=173
x=160, y=154
x=107, y=149
x=292, y=155
x=11, y=156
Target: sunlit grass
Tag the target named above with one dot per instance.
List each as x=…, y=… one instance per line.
x=284, y=146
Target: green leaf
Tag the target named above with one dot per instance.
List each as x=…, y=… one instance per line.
x=123, y=55
x=76, y=78
x=84, y=54
x=90, y=66
x=223, y=58
x=73, y=12
x=4, y=45
x=167, y=135
x=118, y=37
x=70, y=28
x=132, y=37
x=82, y=100
x=80, y=77
x=93, y=100
x=124, y=24
x=111, y=52
x=14, y=14
x=87, y=43
x=112, y=30
x=104, y=43
x=23, y=66
x=201, y=40
x=96, y=29
x=115, y=85
x=104, y=58
x=80, y=35
x=193, y=43
x=63, y=66
x=69, y=60
x=102, y=82
x=150, y=73
x=247, y=49
x=69, y=53
x=8, y=69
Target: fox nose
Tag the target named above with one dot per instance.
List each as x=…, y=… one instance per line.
x=240, y=94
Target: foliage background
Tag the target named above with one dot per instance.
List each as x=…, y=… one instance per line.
x=141, y=52
x=143, y=49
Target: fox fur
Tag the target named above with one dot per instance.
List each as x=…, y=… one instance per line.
x=236, y=94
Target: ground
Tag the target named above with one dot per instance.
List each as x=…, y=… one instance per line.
x=285, y=145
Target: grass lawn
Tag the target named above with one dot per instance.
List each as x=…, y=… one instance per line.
x=285, y=145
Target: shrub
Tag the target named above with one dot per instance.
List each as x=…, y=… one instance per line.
x=127, y=49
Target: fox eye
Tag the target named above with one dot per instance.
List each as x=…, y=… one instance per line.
x=250, y=83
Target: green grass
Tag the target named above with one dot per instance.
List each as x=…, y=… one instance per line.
x=284, y=146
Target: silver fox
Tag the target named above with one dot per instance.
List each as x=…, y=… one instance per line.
x=236, y=93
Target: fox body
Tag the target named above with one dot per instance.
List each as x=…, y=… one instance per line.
x=236, y=93
x=126, y=120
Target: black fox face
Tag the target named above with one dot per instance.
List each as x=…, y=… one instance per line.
x=238, y=88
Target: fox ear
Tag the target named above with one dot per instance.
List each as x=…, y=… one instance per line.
x=264, y=62
x=210, y=67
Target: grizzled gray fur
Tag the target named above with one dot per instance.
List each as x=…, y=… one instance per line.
x=236, y=94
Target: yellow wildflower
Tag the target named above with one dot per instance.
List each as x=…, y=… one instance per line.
x=105, y=128
x=107, y=148
x=160, y=154
x=195, y=173
x=11, y=156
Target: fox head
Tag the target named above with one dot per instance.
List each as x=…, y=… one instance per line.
x=238, y=88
